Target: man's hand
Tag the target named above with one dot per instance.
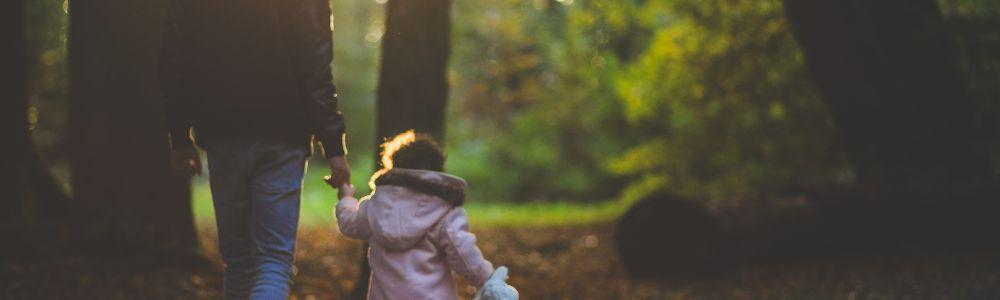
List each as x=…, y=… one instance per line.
x=340, y=172
x=346, y=190
x=186, y=160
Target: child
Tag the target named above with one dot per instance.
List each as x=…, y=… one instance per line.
x=417, y=228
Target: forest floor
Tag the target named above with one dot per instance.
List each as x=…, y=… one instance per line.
x=565, y=262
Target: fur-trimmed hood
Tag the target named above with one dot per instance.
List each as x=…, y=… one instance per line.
x=408, y=203
x=448, y=187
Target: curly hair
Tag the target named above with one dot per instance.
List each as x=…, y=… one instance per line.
x=412, y=151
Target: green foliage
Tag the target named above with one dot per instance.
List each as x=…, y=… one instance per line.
x=572, y=99
x=537, y=99
x=729, y=106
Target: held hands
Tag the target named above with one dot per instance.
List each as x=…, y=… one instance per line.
x=496, y=287
x=186, y=161
x=346, y=190
x=340, y=172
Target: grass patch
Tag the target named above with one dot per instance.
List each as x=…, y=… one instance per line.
x=318, y=200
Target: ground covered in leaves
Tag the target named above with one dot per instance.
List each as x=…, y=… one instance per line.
x=546, y=263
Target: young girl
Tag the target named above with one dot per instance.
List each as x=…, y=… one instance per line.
x=416, y=227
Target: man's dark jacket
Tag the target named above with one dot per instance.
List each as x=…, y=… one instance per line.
x=250, y=68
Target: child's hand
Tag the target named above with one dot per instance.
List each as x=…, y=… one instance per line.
x=346, y=190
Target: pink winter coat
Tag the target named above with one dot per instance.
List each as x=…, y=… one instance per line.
x=418, y=233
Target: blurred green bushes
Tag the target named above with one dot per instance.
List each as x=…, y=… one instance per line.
x=580, y=100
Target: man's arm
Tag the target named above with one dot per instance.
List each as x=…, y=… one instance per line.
x=313, y=46
x=173, y=60
x=173, y=63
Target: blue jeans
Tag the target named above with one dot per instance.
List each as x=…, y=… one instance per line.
x=256, y=187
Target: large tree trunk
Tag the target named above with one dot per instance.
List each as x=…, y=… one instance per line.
x=413, y=84
x=14, y=101
x=14, y=129
x=33, y=201
x=127, y=198
x=886, y=72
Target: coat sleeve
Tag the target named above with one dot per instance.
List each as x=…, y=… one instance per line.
x=174, y=60
x=352, y=218
x=453, y=237
x=312, y=46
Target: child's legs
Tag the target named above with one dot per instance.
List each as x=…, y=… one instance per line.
x=276, y=187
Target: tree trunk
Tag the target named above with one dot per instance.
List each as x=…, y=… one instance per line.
x=33, y=201
x=14, y=101
x=127, y=198
x=413, y=84
x=886, y=72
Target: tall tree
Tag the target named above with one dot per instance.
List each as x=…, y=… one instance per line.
x=886, y=72
x=127, y=197
x=33, y=199
x=413, y=84
x=14, y=103
x=14, y=128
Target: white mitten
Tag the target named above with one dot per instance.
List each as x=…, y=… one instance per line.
x=496, y=287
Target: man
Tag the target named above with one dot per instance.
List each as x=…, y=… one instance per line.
x=252, y=79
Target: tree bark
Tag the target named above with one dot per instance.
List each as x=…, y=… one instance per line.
x=128, y=200
x=34, y=202
x=413, y=84
x=14, y=101
x=886, y=72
